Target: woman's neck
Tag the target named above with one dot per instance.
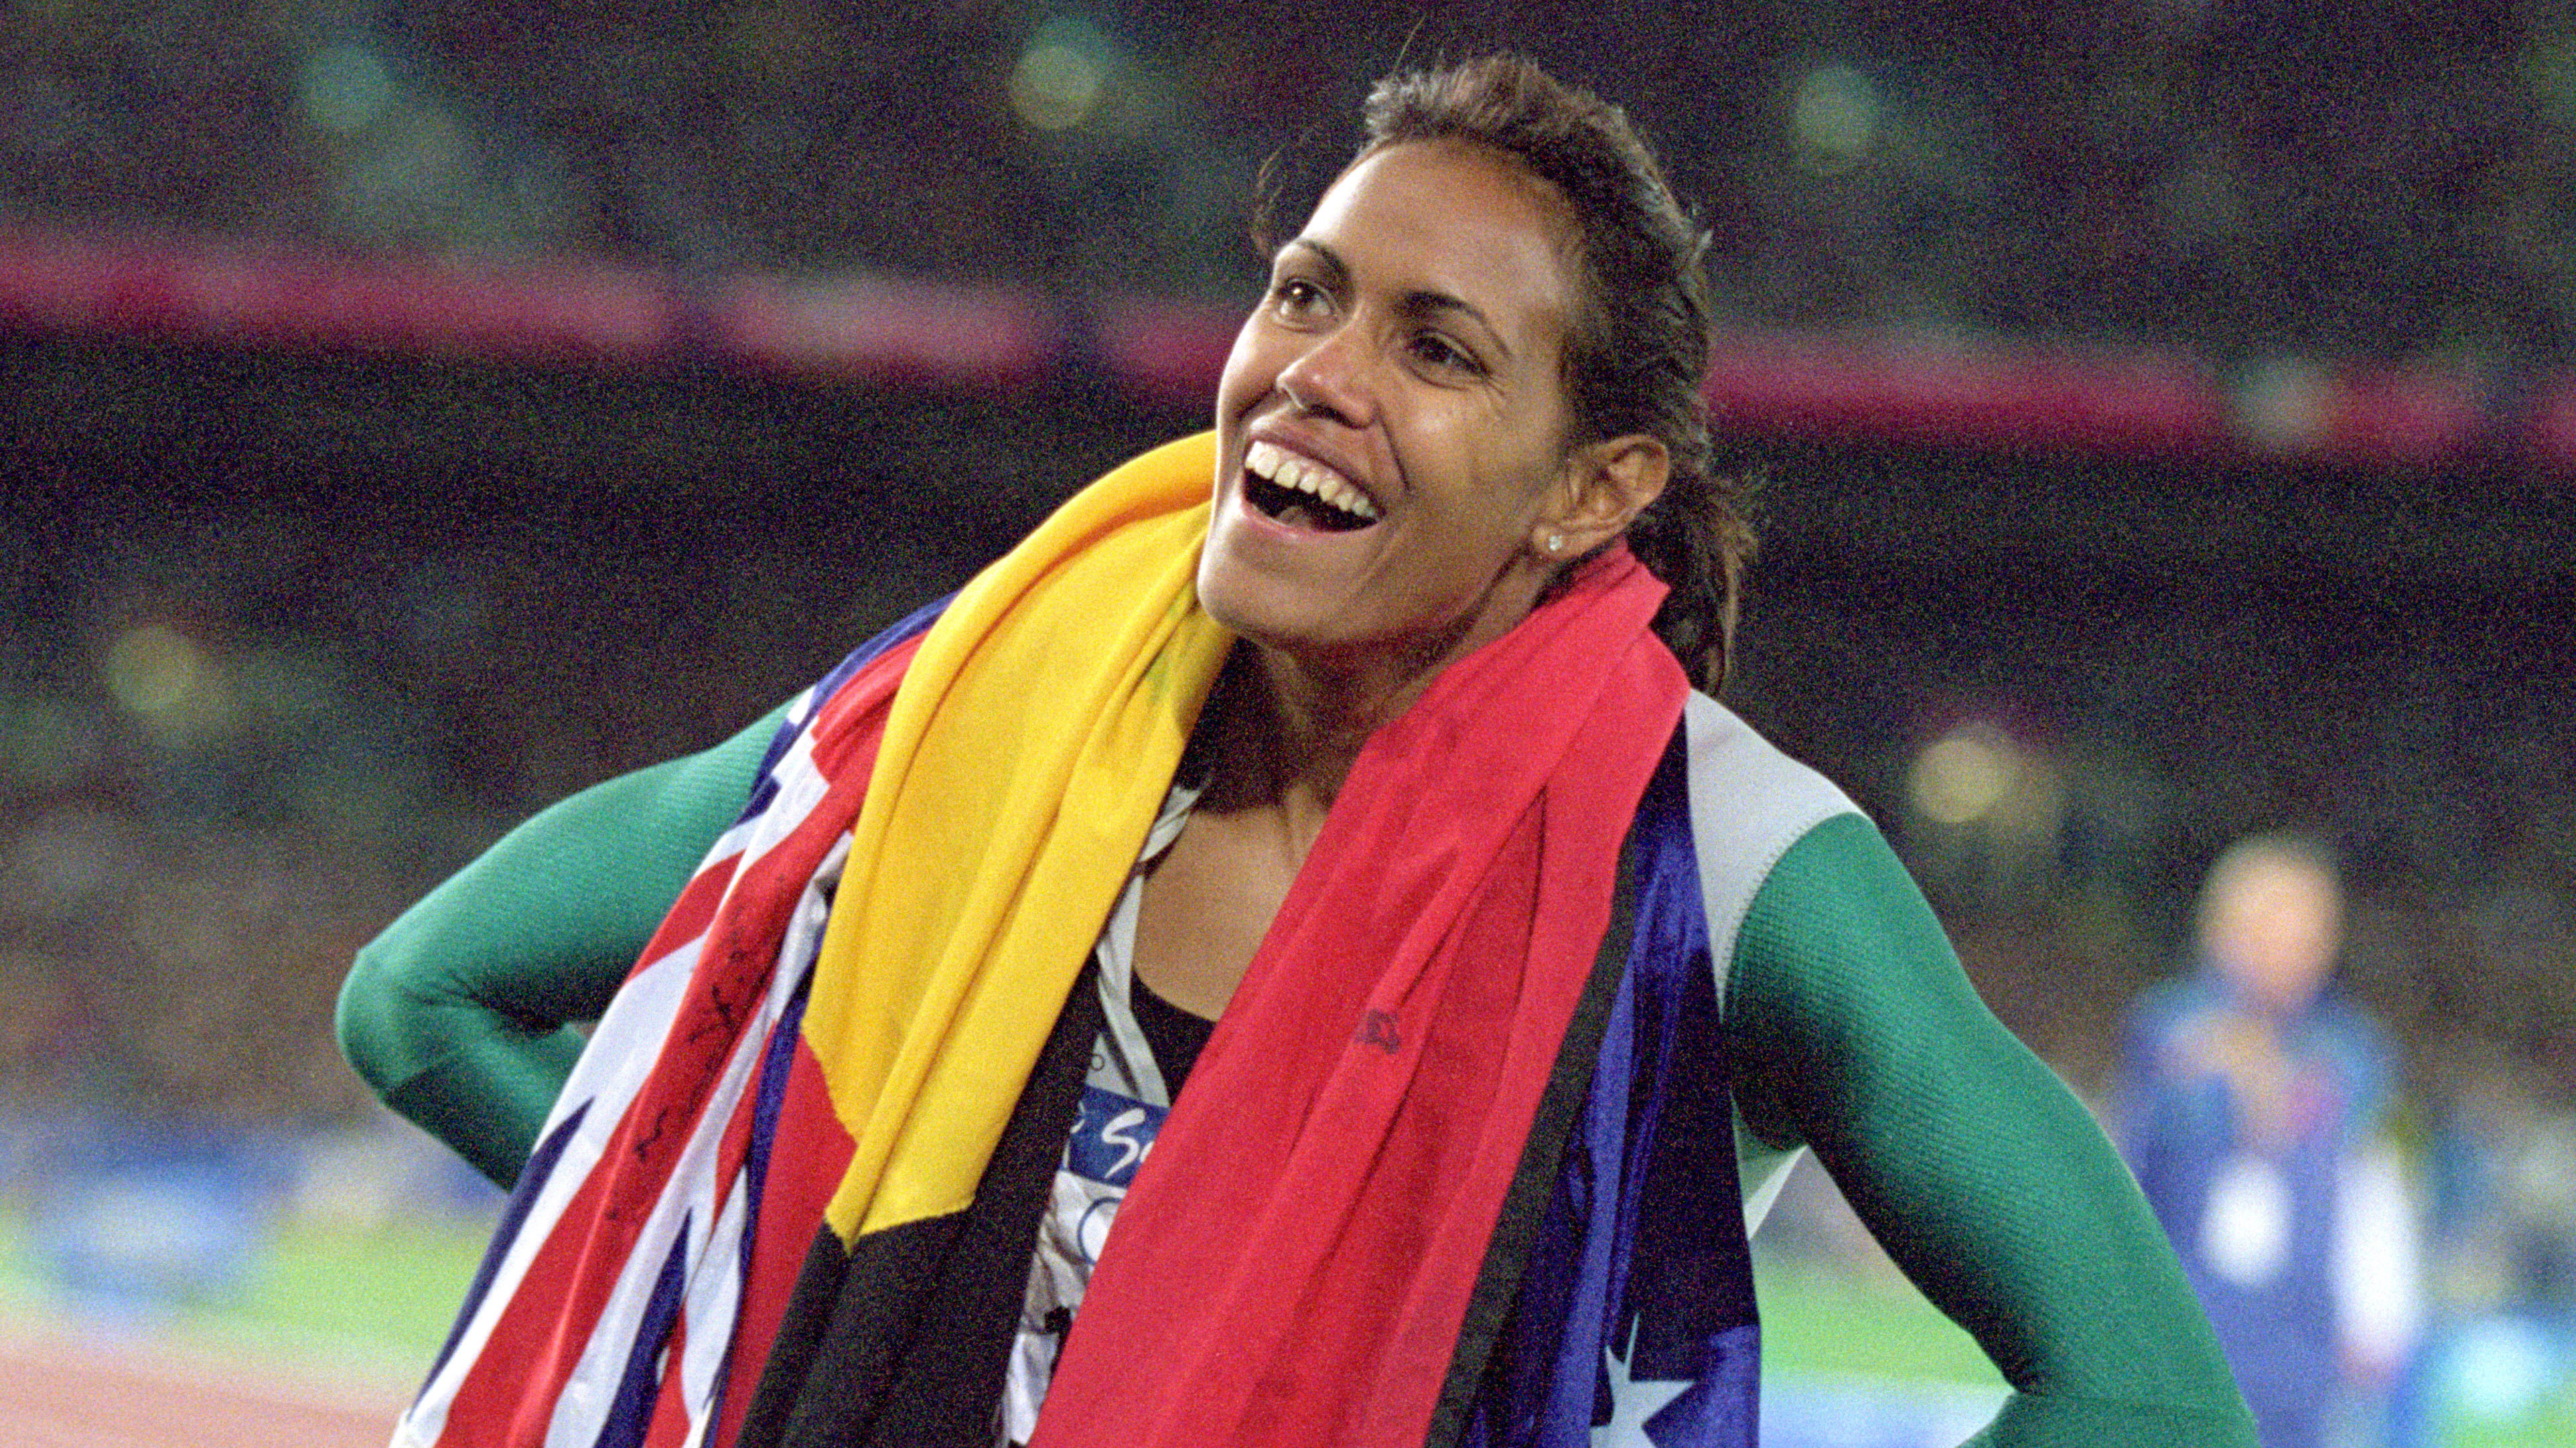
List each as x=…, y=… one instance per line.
x=1286, y=727
x=1283, y=734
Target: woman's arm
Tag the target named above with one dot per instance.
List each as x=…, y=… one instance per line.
x=459, y=1014
x=1853, y=1029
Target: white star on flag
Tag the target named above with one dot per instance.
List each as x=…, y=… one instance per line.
x=1632, y=1402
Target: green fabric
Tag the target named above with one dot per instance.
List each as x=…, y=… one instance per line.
x=457, y=1014
x=1854, y=1030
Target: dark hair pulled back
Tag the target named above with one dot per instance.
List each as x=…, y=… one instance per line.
x=1637, y=357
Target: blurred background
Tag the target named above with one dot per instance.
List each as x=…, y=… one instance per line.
x=414, y=410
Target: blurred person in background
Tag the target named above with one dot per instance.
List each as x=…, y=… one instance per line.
x=1333, y=804
x=2254, y=1099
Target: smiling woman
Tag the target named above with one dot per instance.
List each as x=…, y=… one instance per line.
x=1350, y=835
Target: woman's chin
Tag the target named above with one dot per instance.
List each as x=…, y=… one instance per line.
x=1273, y=624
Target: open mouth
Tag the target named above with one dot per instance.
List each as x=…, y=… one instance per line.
x=1302, y=493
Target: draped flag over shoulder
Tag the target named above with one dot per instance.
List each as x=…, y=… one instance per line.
x=774, y=1180
x=653, y=1241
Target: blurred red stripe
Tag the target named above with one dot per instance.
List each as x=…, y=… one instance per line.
x=1936, y=391
x=1170, y=351
x=2401, y=416
x=59, y=281
x=885, y=329
x=66, y=1389
x=1904, y=389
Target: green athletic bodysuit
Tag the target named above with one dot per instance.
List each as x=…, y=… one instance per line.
x=1852, y=1029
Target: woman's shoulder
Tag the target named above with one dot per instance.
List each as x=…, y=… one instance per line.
x=1750, y=803
x=1750, y=800
x=1732, y=766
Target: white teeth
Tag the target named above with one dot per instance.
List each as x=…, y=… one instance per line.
x=1269, y=460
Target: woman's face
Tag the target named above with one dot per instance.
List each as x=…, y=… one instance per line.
x=1392, y=417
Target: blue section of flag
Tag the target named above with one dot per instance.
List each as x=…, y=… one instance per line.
x=1641, y=1262
x=631, y=1413
x=1719, y=1406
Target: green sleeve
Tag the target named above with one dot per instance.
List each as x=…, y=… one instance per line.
x=1854, y=1030
x=462, y=1013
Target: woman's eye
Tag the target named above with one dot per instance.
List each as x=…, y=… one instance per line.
x=1296, y=297
x=1434, y=350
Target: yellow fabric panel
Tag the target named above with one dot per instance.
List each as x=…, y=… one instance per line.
x=1025, y=755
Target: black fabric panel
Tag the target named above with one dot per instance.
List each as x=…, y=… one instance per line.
x=800, y=1338
x=904, y=1338
x=1174, y=1035
x=1525, y=1203
x=951, y=1381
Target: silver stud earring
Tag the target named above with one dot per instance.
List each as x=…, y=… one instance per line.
x=1555, y=541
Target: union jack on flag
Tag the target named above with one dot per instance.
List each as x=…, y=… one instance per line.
x=652, y=1233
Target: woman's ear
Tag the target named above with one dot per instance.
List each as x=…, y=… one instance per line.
x=1605, y=485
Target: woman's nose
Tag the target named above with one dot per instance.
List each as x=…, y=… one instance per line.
x=1330, y=378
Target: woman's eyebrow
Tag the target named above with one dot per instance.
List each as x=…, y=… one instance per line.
x=1335, y=271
